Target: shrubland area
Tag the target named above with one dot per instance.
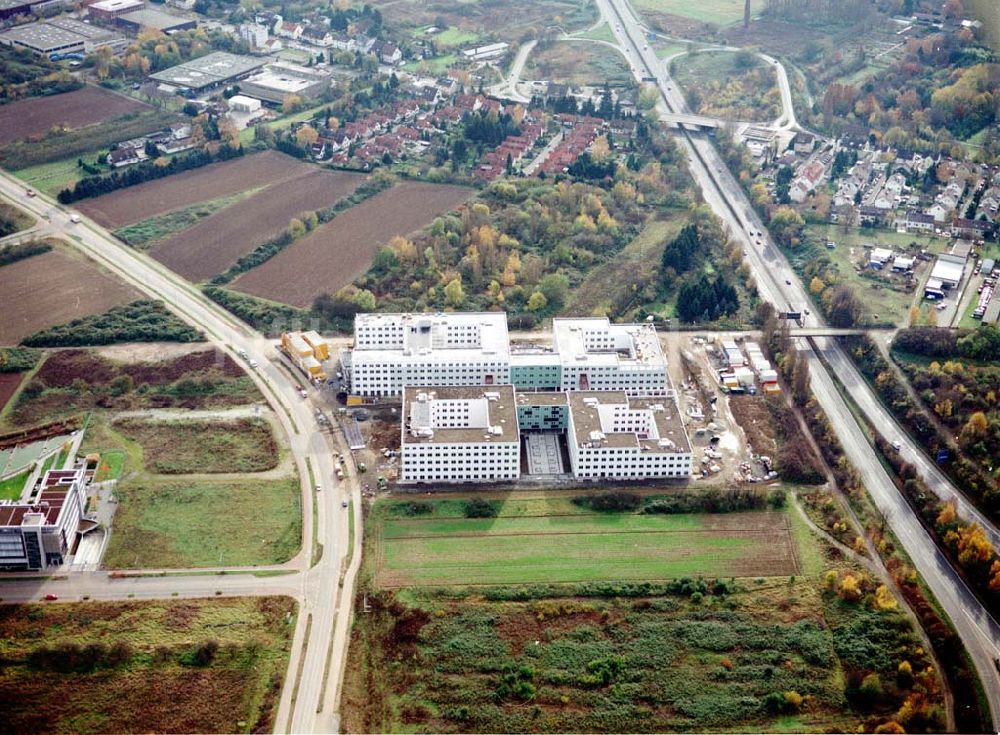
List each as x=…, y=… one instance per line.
x=729, y=85
x=823, y=647
x=152, y=666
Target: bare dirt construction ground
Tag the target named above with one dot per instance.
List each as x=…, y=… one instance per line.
x=54, y=288
x=136, y=203
x=8, y=386
x=339, y=251
x=218, y=241
x=73, y=110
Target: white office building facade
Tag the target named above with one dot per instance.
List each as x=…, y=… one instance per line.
x=459, y=434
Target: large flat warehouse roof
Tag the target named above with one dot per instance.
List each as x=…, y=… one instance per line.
x=41, y=37
x=217, y=67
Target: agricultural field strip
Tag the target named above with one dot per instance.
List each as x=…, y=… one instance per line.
x=161, y=196
x=219, y=240
x=76, y=109
x=342, y=249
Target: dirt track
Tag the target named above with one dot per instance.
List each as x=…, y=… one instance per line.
x=339, y=251
x=54, y=288
x=218, y=241
x=37, y=115
x=137, y=203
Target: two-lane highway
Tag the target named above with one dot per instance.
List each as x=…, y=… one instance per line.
x=317, y=588
x=778, y=284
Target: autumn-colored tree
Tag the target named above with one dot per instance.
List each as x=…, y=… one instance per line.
x=850, y=589
x=816, y=286
x=291, y=103
x=974, y=546
x=944, y=408
x=884, y=599
x=947, y=515
x=600, y=150
x=976, y=426
x=454, y=292
x=537, y=301
x=306, y=135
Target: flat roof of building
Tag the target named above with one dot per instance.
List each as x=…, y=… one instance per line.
x=590, y=412
x=152, y=18
x=56, y=486
x=112, y=5
x=542, y=399
x=42, y=37
x=947, y=269
x=423, y=336
x=88, y=30
x=217, y=67
x=11, y=4
x=637, y=344
x=287, y=78
x=491, y=416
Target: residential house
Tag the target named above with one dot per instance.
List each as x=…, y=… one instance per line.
x=971, y=228
x=387, y=52
x=940, y=211
x=805, y=143
x=126, y=156
x=914, y=221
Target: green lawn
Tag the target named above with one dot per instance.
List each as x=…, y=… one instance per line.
x=535, y=541
x=437, y=65
x=11, y=488
x=455, y=37
x=603, y=32
x=201, y=524
x=112, y=464
x=720, y=12
x=51, y=178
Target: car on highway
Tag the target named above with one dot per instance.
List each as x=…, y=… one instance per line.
x=807, y=312
x=51, y=598
x=787, y=282
x=75, y=219
x=343, y=503
x=29, y=192
x=243, y=353
x=254, y=364
x=896, y=445
x=319, y=488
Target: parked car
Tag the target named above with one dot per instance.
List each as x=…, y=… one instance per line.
x=50, y=597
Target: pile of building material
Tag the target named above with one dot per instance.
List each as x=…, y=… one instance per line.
x=307, y=350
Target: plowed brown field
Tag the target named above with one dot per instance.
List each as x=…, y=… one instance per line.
x=339, y=251
x=136, y=203
x=54, y=288
x=73, y=109
x=8, y=386
x=218, y=241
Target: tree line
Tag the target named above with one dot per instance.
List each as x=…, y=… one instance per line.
x=93, y=186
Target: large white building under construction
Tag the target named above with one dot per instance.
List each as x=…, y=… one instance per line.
x=392, y=351
x=459, y=434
